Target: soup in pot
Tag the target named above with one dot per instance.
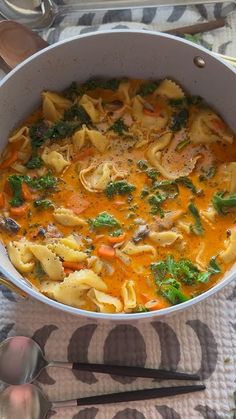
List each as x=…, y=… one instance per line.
x=120, y=196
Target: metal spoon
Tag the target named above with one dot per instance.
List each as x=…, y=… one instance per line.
x=22, y=360
x=29, y=402
x=39, y=15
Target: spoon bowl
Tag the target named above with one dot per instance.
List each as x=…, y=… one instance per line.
x=21, y=360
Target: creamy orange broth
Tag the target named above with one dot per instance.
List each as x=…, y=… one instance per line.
x=129, y=209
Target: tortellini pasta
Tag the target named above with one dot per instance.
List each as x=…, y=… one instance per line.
x=54, y=106
x=74, y=287
x=67, y=217
x=164, y=238
x=21, y=256
x=55, y=160
x=155, y=121
x=170, y=90
x=50, y=261
x=207, y=127
x=97, y=139
x=133, y=249
x=129, y=295
x=96, y=178
x=66, y=253
x=106, y=303
x=92, y=106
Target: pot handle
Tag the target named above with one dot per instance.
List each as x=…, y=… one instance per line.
x=12, y=287
x=17, y=42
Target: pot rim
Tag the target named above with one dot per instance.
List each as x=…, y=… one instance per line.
x=22, y=284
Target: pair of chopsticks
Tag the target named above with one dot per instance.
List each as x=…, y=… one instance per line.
x=140, y=372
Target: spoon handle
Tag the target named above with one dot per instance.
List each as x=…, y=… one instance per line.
x=129, y=396
x=134, y=371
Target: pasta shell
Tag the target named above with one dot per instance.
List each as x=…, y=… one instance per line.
x=89, y=104
x=54, y=106
x=170, y=89
x=164, y=238
x=96, y=178
x=133, y=249
x=129, y=295
x=66, y=253
x=105, y=302
x=54, y=160
x=50, y=262
x=20, y=255
x=66, y=217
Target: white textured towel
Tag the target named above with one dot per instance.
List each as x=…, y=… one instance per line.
x=202, y=339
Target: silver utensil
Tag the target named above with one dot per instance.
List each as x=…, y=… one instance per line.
x=29, y=402
x=22, y=360
x=39, y=15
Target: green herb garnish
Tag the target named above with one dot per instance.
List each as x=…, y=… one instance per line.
x=15, y=182
x=197, y=228
x=77, y=113
x=104, y=220
x=37, y=134
x=155, y=201
x=183, y=144
x=221, y=202
x=185, y=181
x=142, y=165
x=179, y=120
x=208, y=173
x=119, y=187
x=34, y=163
x=119, y=127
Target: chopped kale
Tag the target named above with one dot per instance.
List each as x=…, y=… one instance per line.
x=185, y=181
x=179, y=120
x=152, y=174
x=41, y=183
x=15, y=182
x=147, y=88
x=208, y=173
x=77, y=113
x=61, y=129
x=72, y=91
x=38, y=271
x=37, y=134
x=104, y=220
x=197, y=228
x=43, y=204
x=170, y=274
x=155, y=201
x=174, y=295
x=119, y=127
x=213, y=266
x=34, y=163
x=221, y=202
x=170, y=188
x=119, y=187
x=185, y=101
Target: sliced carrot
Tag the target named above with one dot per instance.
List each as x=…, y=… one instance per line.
x=155, y=112
x=9, y=161
x=106, y=252
x=19, y=211
x=84, y=153
x=117, y=239
x=74, y=266
x=77, y=203
x=27, y=195
x=155, y=305
x=2, y=200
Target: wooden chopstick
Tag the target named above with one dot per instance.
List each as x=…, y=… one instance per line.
x=135, y=371
x=128, y=396
x=198, y=27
